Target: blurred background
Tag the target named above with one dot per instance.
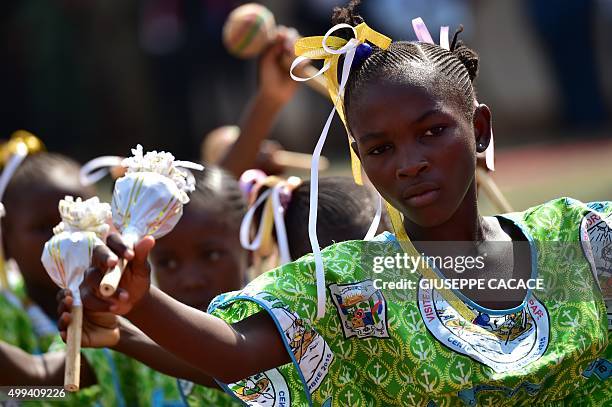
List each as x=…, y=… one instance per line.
x=96, y=77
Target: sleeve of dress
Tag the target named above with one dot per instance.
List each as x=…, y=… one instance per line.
x=293, y=383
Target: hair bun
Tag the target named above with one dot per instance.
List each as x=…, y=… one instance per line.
x=347, y=14
x=468, y=57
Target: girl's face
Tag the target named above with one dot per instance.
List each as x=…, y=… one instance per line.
x=29, y=224
x=200, y=259
x=418, y=150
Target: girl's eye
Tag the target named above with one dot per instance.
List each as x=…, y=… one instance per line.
x=212, y=255
x=168, y=264
x=434, y=131
x=379, y=150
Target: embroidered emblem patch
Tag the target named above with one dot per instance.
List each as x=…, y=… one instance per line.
x=263, y=389
x=312, y=354
x=596, y=239
x=362, y=309
x=502, y=342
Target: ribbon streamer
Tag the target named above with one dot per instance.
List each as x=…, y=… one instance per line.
x=329, y=48
x=96, y=169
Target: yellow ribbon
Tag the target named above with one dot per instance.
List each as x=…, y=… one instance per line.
x=400, y=233
x=32, y=143
x=17, y=140
x=312, y=48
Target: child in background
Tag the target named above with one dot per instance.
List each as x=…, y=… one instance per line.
x=346, y=210
x=27, y=311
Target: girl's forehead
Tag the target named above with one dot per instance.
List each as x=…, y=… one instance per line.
x=387, y=101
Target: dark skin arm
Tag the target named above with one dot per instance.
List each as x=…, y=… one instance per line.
x=20, y=368
x=275, y=89
x=124, y=337
x=226, y=352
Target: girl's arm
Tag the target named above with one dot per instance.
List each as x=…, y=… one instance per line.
x=20, y=368
x=108, y=330
x=136, y=344
x=226, y=352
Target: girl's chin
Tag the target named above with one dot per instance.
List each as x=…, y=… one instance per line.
x=429, y=217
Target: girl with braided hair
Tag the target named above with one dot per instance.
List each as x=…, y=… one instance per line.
x=324, y=330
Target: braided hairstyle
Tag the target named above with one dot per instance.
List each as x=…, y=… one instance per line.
x=217, y=190
x=345, y=212
x=450, y=73
x=38, y=170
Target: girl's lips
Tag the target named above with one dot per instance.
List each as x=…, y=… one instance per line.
x=423, y=199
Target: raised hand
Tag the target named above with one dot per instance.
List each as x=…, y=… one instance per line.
x=135, y=282
x=274, y=80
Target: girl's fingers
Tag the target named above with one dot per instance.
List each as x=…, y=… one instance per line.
x=65, y=305
x=140, y=265
x=120, y=303
x=89, y=289
x=103, y=258
x=64, y=292
x=115, y=243
x=64, y=320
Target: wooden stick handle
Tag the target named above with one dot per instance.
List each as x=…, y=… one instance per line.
x=306, y=70
x=298, y=161
x=72, y=371
x=111, y=279
x=486, y=182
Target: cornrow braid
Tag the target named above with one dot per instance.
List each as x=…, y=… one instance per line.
x=458, y=67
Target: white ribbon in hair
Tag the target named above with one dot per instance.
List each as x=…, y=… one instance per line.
x=349, y=53
x=247, y=221
x=279, y=224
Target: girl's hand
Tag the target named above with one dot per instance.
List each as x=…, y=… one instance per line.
x=275, y=84
x=135, y=281
x=100, y=329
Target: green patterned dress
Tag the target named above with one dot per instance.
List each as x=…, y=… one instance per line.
x=411, y=348
x=121, y=381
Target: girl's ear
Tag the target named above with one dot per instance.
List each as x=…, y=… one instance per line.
x=483, y=127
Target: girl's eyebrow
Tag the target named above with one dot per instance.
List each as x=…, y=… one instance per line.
x=371, y=136
x=378, y=135
x=427, y=114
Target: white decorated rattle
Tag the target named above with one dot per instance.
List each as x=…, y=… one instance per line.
x=66, y=256
x=147, y=200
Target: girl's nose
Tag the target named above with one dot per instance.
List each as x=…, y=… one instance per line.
x=194, y=277
x=412, y=168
